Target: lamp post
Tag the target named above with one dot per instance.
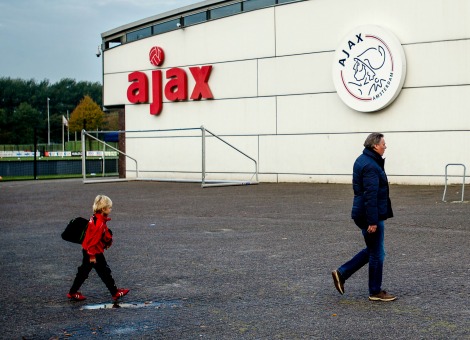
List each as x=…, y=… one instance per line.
x=48, y=125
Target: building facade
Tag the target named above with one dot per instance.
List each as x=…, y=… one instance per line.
x=260, y=74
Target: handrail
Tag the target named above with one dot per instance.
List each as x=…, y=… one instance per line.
x=463, y=180
x=106, y=144
x=203, y=184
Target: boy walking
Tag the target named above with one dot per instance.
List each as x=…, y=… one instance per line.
x=98, y=237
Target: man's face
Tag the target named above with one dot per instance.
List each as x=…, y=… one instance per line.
x=380, y=148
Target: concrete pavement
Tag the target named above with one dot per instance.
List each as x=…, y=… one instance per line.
x=248, y=262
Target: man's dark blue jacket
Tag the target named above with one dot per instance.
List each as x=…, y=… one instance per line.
x=371, y=193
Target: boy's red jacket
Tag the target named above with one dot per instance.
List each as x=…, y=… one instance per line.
x=97, y=237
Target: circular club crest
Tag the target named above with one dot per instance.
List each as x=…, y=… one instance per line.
x=369, y=68
x=156, y=56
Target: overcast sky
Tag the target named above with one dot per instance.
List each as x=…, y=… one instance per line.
x=56, y=39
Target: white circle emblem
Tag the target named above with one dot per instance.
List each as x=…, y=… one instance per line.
x=369, y=68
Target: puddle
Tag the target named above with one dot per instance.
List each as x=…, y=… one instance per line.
x=223, y=230
x=146, y=304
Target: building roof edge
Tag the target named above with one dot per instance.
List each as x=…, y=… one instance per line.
x=168, y=14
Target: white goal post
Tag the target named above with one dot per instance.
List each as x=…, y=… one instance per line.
x=136, y=169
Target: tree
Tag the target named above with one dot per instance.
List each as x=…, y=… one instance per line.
x=111, y=121
x=26, y=119
x=5, y=133
x=87, y=115
x=18, y=127
x=64, y=96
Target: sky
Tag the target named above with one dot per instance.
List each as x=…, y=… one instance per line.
x=56, y=39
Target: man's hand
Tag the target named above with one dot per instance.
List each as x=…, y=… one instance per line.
x=92, y=259
x=372, y=228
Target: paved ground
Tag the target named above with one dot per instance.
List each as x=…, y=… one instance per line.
x=248, y=262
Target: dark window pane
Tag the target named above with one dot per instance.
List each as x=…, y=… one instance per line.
x=284, y=1
x=166, y=26
x=195, y=18
x=250, y=5
x=140, y=34
x=225, y=11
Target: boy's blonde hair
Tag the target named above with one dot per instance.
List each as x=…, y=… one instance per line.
x=101, y=202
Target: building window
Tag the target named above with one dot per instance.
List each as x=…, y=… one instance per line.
x=225, y=11
x=250, y=5
x=166, y=26
x=140, y=34
x=195, y=18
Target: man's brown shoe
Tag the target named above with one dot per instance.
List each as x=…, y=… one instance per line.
x=382, y=296
x=338, y=281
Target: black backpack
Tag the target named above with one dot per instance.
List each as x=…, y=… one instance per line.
x=75, y=230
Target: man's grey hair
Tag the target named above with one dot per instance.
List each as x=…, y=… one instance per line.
x=373, y=139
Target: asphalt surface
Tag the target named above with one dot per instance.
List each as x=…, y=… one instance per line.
x=246, y=262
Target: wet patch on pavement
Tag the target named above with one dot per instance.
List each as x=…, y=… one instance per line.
x=146, y=304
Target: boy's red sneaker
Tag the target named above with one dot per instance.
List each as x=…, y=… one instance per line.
x=120, y=293
x=76, y=296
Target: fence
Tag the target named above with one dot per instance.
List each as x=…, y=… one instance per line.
x=41, y=169
x=18, y=161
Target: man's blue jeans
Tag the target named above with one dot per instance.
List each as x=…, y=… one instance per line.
x=374, y=254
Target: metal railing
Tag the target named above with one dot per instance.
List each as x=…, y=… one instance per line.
x=204, y=181
x=84, y=134
x=463, y=180
x=222, y=183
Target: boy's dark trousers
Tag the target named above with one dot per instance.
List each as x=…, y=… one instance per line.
x=101, y=267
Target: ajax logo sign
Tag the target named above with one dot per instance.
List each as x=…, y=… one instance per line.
x=156, y=56
x=369, y=68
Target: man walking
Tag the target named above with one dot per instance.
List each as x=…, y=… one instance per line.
x=371, y=207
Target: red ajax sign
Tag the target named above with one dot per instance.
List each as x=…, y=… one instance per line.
x=176, y=88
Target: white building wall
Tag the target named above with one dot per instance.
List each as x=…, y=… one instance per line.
x=274, y=96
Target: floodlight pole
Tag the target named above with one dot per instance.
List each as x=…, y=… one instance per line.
x=48, y=124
